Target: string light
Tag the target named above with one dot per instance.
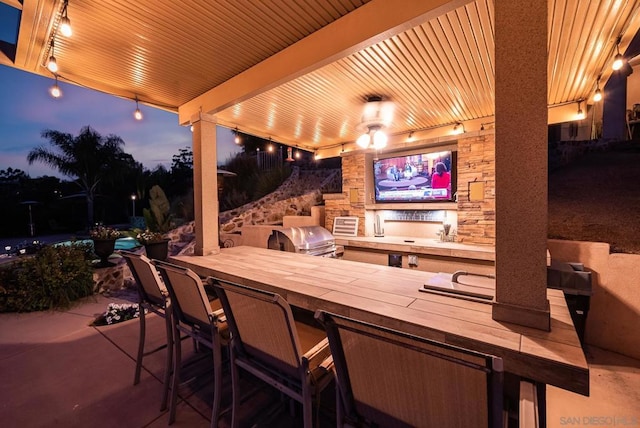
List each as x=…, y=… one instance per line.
x=597, y=96
x=52, y=64
x=580, y=114
x=618, y=60
x=410, y=138
x=65, y=22
x=55, y=89
x=137, y=114
x=458, y=128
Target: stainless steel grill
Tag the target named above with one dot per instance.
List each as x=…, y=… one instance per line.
x=312, y=240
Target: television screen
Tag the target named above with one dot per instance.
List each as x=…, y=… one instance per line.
x=426, y=177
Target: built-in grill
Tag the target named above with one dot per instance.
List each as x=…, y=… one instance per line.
x=312, y=240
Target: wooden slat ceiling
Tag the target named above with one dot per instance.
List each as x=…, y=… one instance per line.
x=437, y=73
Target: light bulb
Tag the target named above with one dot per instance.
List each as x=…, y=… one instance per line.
x=379, y=140
x=597, y=96
x=55, y=91
x=52, y=65
x=297, y=154
x=237, y=139
x=363, y=140
x=137, y=114
x=65, y=27
x=458, y=128
x=618, y=61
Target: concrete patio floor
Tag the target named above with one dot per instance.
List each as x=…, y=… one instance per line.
x=58, y=371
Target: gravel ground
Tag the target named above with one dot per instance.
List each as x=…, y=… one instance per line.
x=597, y=198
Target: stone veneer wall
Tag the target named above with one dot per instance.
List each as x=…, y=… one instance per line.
x=353, y=172
x=296, y=196
x=477, y=162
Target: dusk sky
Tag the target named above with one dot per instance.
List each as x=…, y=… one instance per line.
x=27, y=109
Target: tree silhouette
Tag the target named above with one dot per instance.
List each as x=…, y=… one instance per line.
x=88, y=158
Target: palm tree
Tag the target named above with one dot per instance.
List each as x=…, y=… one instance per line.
x=88, y=158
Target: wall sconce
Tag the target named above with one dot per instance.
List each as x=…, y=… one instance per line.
x=55, y=89
x=618, y=60
x=52, y=64
x=65, y=22
x=137, y=114
x=458, y=128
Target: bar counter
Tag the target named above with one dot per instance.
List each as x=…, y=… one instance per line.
x=427, y=246
x=390, y=297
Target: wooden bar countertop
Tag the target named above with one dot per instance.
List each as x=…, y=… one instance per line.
x=389, y=296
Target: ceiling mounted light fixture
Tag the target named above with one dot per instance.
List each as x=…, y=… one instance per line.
x=65, y=22
x=597, y=96
x=376, y=116
x=618, y=60
x=458, y=128
x=55, y=89
x=52, y=64
x=137, y=114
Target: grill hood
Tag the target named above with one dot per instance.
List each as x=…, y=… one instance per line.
x=314, y=240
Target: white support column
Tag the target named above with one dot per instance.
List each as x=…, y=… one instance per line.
x=205, y=184
x=521, y=163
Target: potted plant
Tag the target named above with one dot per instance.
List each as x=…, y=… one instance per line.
x=104, y=242
x=156, y=244
x=158, y=220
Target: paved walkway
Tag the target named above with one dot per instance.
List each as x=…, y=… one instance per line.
x=58, y=371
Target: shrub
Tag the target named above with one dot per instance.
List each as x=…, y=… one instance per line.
x=53, y=278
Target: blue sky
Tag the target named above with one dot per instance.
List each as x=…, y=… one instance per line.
x=27, y=108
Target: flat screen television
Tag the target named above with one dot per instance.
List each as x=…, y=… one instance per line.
x=424, y=177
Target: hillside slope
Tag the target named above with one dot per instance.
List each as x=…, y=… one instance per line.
x=597, y=198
